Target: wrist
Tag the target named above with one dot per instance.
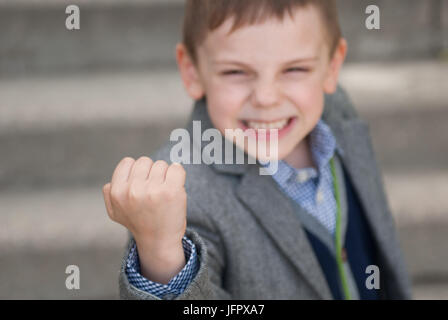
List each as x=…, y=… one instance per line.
x=158, y=246
x=160, y=265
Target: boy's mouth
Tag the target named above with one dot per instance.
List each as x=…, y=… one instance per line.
x=282, y=125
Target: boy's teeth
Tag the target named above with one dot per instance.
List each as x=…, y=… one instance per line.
x=267, y=125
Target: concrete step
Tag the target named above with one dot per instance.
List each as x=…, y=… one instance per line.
x=73, y=130
x=43, y=231
x=41, y=274
x=99, y=274
x=113, y=36
x=131, y=35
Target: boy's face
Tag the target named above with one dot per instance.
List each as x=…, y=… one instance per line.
x=269, y=75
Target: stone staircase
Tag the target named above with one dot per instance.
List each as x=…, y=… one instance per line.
x=136, y=34
x=73, y=104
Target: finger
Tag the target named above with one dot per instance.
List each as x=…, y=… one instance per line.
x=157, y=172
x=121, y=172
x=106, y=195
x=140, y=170
x=175, y=175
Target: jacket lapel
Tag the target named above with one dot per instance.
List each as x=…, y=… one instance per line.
x=276, y=215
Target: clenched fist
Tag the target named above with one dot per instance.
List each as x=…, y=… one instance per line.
x=149, y=199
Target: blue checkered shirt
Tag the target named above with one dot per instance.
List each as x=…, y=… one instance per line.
x=311, y=188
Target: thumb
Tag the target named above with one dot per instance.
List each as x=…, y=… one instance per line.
x=106, y=195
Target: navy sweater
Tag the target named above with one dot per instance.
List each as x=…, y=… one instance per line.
x=359, y=245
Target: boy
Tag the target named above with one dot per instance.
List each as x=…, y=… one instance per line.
x=317, y=228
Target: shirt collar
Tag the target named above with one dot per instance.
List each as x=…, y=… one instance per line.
x=322, y=143
x=323, y=146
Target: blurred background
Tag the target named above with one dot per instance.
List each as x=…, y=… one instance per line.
x=74, y=103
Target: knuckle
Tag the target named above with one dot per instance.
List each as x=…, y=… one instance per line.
x=179, y=169
x=134, y=192
x=155, y=194
x=182, y=170
x=160, y=163
x=128, y=159
x=170, y=194
x=144, y=158
x=158, y=195
x=181, y=175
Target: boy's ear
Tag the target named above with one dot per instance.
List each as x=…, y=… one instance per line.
x=331, y=80
x=189, y=73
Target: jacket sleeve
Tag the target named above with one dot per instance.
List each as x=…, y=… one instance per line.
x=207, y=283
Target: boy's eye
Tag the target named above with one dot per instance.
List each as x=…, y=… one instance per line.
x=233, y=72
x=241, y=72
x=297, y=69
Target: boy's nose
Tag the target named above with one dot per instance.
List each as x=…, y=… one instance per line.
x=266, y=94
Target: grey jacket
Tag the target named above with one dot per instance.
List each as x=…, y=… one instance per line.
x=250, y=241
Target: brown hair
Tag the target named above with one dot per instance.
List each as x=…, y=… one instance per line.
x=202, y=16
